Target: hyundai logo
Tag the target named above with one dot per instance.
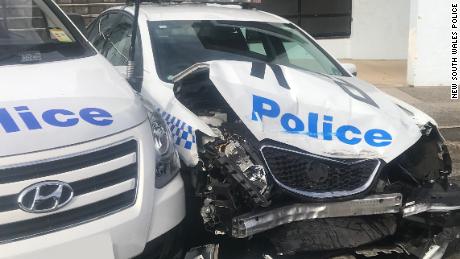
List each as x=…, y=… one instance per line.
x=45, y=196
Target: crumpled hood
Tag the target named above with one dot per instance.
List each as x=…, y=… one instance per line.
x=50, y=105
x=339, y=117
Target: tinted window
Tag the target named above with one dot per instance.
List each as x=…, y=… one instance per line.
x=33, y=31
x=180, y=44
x=111, y=36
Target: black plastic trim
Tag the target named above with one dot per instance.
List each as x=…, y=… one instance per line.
x=55, y=222
x=17, y=174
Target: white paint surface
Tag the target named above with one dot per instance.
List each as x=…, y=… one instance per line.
x=429, y=43
x=379, y=31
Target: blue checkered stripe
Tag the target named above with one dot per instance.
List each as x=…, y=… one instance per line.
x=183, y=134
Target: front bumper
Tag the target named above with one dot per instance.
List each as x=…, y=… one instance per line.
x=250, y=224
x=433, y=199
x=122, y=234
x=440, y=205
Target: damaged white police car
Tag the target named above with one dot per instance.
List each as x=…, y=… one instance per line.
x=280, y=142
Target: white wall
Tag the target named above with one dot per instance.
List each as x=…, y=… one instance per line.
x=339, y=48
x=429, y=58
x=379, y=31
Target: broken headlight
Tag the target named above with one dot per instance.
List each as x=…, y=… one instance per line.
x=168, y=163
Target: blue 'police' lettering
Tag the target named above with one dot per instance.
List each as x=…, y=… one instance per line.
x=263, y=107
x=52, y=117
x=327, y=128
x=347, y=134
x=67, y=118
x=28, y=118
x=342, y=134
x=96, y=116
x=378, y=138
x=7, y=121
x=298, y=124
x=313, y=125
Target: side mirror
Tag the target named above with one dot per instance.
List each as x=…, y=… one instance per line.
x=351, y=68
x=79, y=21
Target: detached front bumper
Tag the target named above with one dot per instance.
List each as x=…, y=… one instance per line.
x=430, y=218
x=251, y=224
x=436, y=199
x=442, y=205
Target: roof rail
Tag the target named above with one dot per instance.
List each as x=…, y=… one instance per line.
x=246, y=4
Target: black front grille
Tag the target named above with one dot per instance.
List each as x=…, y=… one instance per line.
x=16, y=174
x=45, y=223
x=317, y=177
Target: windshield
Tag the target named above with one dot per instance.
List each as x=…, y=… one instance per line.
x=180, y=44
x=34, y=31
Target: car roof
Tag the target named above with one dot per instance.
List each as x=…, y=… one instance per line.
x=165, y=12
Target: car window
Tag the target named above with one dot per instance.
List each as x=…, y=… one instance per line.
x=94, y=29
x=111, y=36
x=35, y=31
x=180, y=44
x=301, y=56
x=255, y=41
x=119, y=42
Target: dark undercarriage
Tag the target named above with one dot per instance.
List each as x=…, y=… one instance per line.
x=295, y=202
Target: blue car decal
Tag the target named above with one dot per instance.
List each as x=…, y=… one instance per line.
x=183, y=134
x=265, y=108
x=61, y=118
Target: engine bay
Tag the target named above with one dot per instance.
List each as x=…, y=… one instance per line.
x=300, y=201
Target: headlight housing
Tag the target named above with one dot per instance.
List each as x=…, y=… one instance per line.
x=168, y=162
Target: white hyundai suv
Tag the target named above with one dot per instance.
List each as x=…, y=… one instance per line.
x=85, y=170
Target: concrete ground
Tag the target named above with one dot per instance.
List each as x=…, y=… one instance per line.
x=390, y=76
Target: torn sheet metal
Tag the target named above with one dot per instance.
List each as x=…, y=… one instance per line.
x=435, y=200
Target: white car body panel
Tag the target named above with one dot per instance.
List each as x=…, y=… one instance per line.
x=71, y=85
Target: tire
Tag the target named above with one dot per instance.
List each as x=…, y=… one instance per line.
x=331, y=234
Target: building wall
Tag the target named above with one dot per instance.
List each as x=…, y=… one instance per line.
x=88, y=8
x=380, y=30
x=429, y=60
